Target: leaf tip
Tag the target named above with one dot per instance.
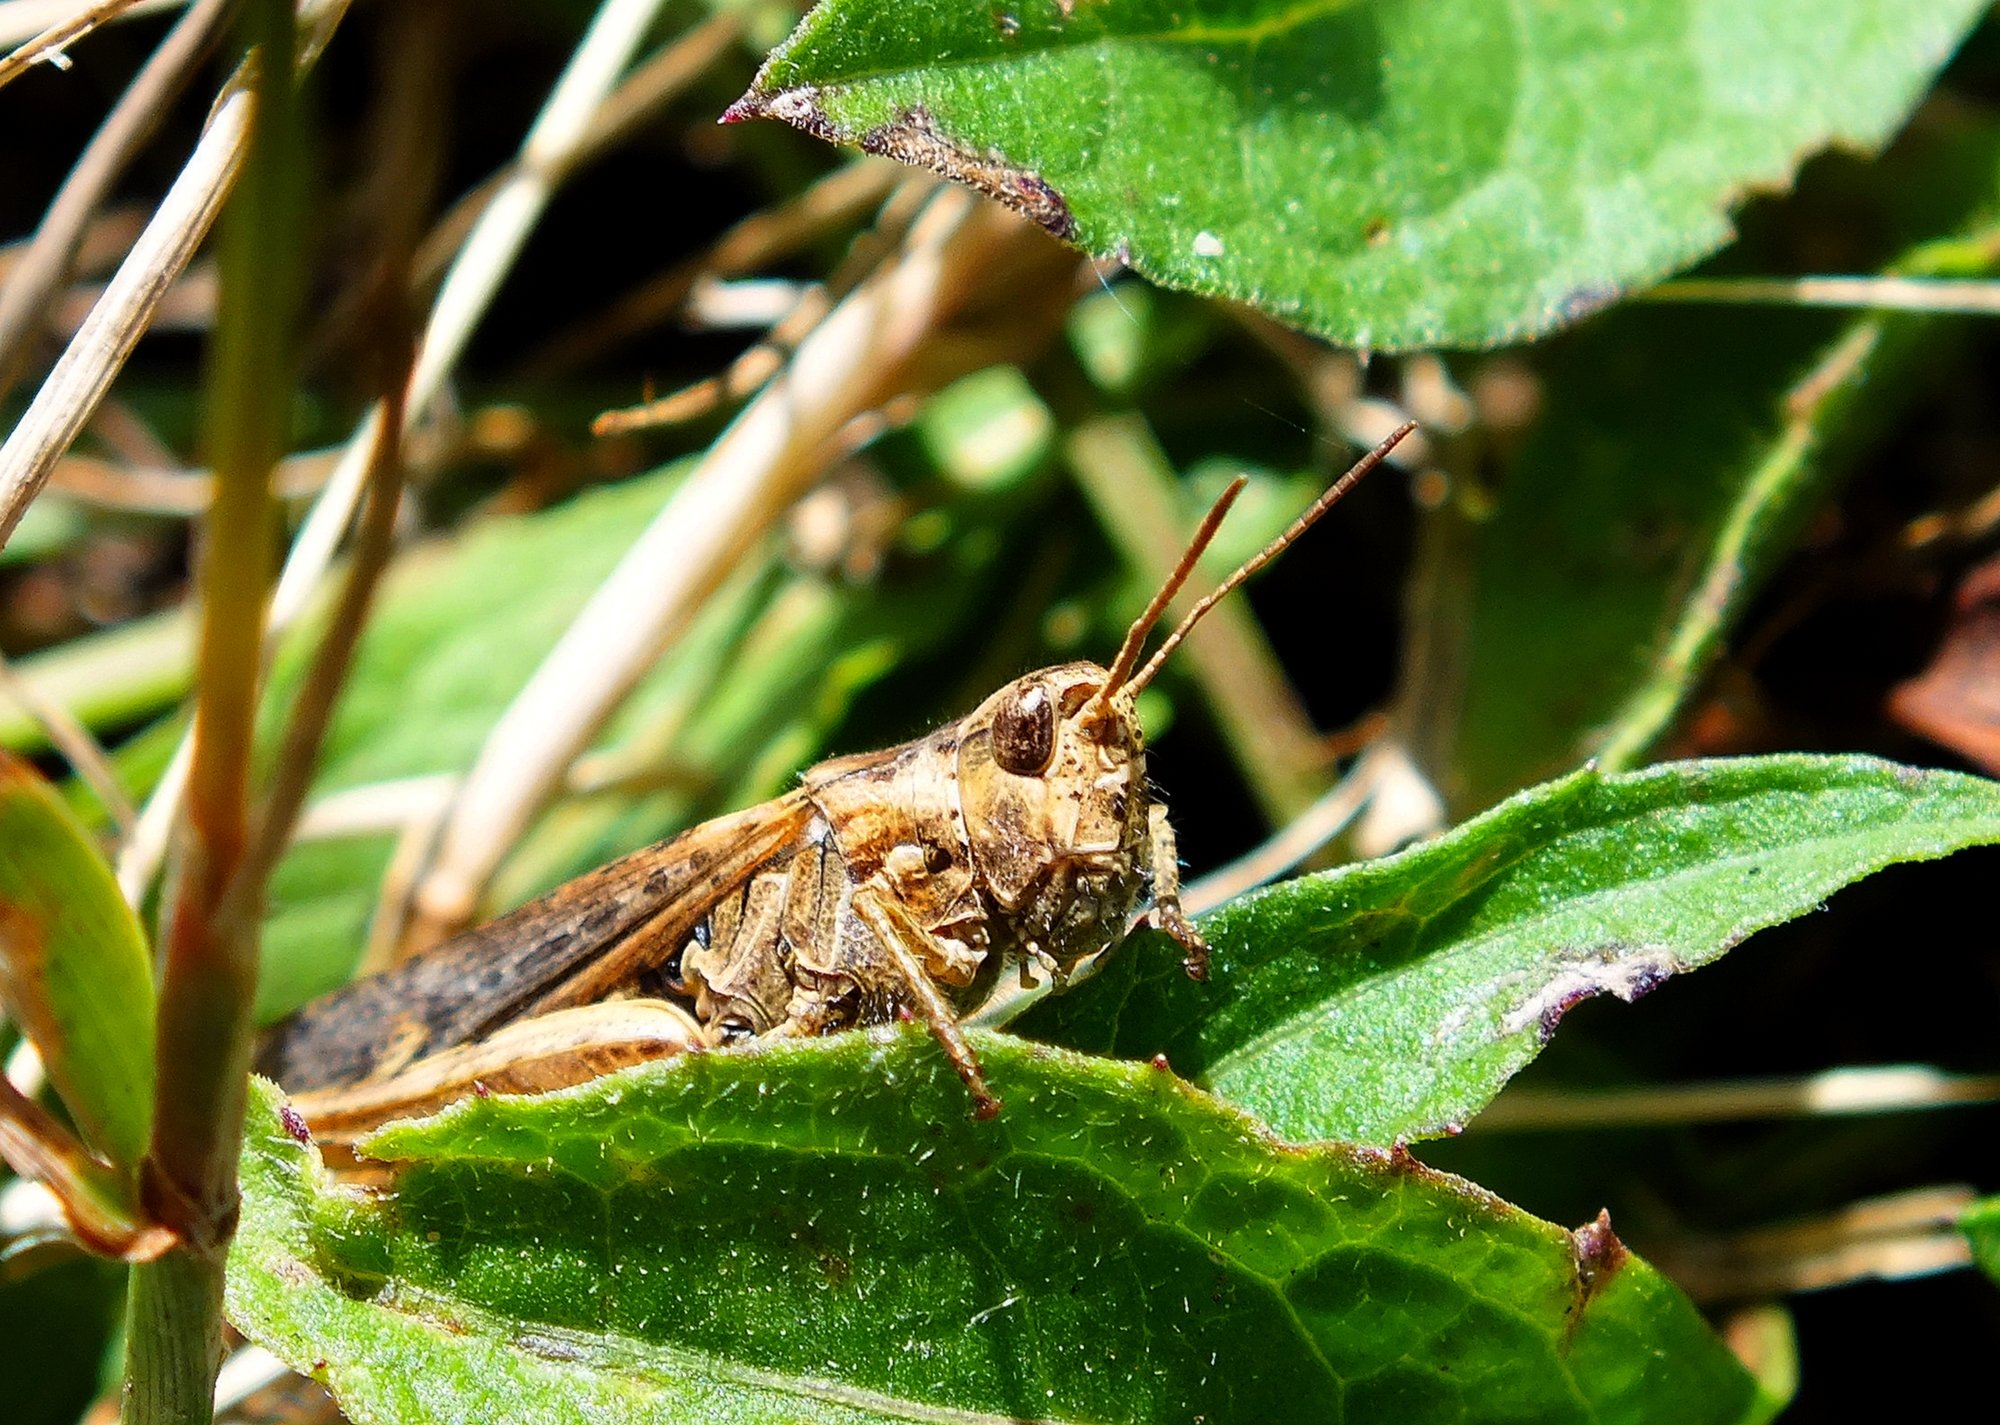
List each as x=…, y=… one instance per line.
x=750, y=106
x=797, y=105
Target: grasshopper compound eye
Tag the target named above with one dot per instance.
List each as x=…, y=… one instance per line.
x=1024, y=732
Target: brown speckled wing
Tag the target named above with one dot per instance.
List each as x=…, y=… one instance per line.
x=575, y=943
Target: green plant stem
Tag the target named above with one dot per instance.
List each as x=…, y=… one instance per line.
x=209, y=974
x=173, y=1338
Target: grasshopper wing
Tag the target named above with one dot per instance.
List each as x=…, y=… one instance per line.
x=605, y=927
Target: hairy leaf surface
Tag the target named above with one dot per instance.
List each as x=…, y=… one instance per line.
x=1387, y=174
x=821, y=1231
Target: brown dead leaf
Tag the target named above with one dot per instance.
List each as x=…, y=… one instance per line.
x=1956, y=700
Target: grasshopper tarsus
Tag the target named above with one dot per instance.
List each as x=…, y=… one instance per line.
x=1194, y=949
x=1169, y=921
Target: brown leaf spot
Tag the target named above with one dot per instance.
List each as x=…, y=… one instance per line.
x=24, y=951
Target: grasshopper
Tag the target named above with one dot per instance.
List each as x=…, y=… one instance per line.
x=891, y=884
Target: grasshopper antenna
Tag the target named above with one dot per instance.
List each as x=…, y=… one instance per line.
x=1142, y=626
x=1228, y=586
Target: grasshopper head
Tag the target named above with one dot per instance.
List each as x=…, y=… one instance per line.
x=1052, y=768
x=1051, y=782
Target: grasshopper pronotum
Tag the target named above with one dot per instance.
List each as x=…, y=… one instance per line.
x=901, y=882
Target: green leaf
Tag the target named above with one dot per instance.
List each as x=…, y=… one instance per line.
x=1389, y=175
x=1649, y=505
x=820, y=1230
x=1981, y=1225
x=1391, y=1000
x=74, y=971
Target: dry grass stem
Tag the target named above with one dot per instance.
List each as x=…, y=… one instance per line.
x=25, y=1070
x=1909, y=1234
x=188, y=305
x=746, y=304
x=410, y=117
x=50, y=44
x=764, y=360
x=743, y=378
x=145, y=846
x=313, y=704
x=22, y=20
x=1846, y=1092
x=51, y=257
x=842, y=197
x=489, y=253
x=129, y=437
x=1945, y=296
x=106, y=240
x=1293, y=844
x=546, y=158
x=248, y=1370
x=377, y=808
x=38, y=1147
x=636, y=100
x=26, y=1207
x=176, y=493
x=91, y=362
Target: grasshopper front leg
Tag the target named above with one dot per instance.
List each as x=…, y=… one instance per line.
x=903, y=940
x=1166, y=909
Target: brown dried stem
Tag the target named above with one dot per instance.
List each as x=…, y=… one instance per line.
x=57, y=37
x=412, y=115
x=96, y=354
x=638, y=98
x=74, y=741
